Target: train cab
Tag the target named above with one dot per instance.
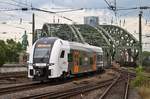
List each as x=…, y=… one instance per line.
x=47, y=58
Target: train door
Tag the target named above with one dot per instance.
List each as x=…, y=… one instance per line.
x=94, y=62
x=99, y=61
x=63, y=62
x=76, y=62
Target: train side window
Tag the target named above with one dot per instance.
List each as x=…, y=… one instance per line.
x=62, y=54
x=91, y=60
x=101, y=58
x=70, y=57
x=80, y=60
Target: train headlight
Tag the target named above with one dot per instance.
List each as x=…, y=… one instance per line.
x=40, y=64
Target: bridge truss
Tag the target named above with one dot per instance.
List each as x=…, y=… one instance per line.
x=117, y=43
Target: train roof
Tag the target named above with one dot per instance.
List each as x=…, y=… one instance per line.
x=48, y=40
x=85, y=47
x=73, y=45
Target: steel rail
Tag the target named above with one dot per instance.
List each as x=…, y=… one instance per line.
x=13, y=89
x=127, y=88
x=109, y=87
x=118, y=80
x=34, y=85
x=6, y=76
x=71, y=92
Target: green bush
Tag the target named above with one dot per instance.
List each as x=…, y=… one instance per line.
x=2, y=56
x=140, y=78
x=9, y=51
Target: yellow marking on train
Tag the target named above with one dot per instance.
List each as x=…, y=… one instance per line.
x=76, y=62
x=94, y=62
x=76, y=69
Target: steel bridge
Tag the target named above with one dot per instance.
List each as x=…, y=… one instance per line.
x=118, y=44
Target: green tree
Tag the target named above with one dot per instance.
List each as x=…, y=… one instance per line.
x=146, y=58
x=146, y=53
x=13, y=50
x=2, y=52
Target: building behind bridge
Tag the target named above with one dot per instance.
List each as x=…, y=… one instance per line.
x=91, y=20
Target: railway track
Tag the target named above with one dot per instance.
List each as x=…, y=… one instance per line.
x=21, y=87
x=12, y=75
x=27, y=86
x=124, y=84
x=71, y=92
x=127, y=88
x=36, y=85
x=63, y=94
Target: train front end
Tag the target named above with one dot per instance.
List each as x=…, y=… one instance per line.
x=41, y=67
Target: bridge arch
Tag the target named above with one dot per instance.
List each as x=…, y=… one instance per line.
x=118, y=44
x=127, y=46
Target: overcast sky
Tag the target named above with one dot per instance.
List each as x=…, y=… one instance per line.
x=99, y=8
x=47, y=4
x=90, y=3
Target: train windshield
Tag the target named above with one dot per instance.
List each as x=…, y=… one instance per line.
x=42, y=53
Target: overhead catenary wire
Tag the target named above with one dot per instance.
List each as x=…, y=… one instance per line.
x=37, y=9
x=20, y=5
x=10, y=4
x=25, y=4
x=55, y=12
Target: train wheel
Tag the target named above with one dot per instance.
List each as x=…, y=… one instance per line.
x=42, y=81
x=64, y=75
x=70, y=75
